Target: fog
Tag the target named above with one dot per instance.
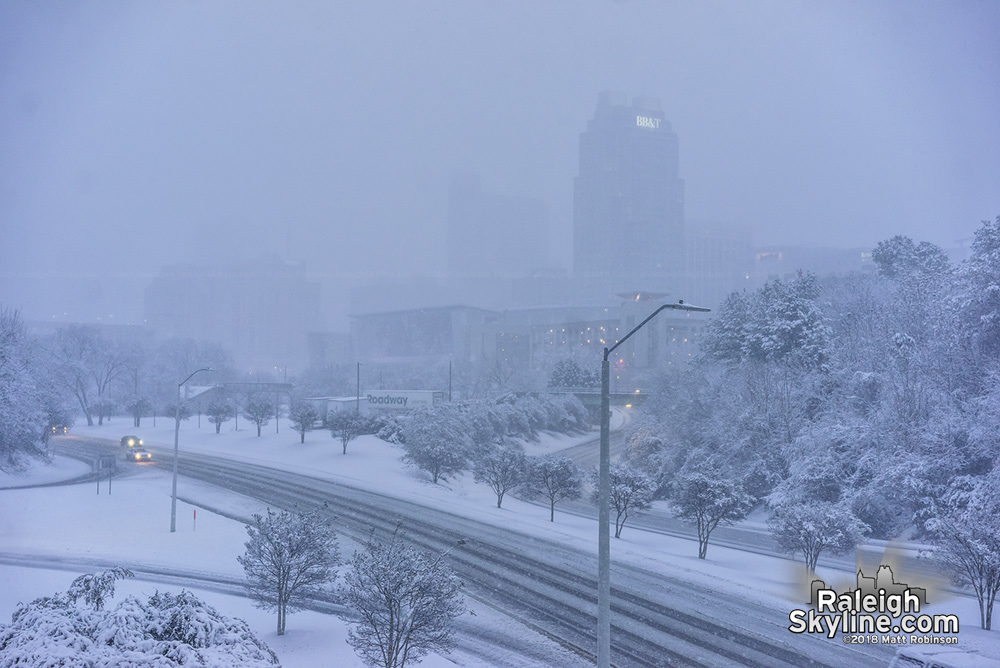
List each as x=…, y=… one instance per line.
x=139, y=135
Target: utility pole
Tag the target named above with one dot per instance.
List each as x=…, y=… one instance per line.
x=177, y=433
x=604, y=496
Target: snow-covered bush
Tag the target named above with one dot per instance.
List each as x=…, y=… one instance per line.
x=164, y=631
x=386, y=426
x=437, y=441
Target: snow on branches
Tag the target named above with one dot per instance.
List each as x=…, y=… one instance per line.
x=164, y=631
x=405, y=601
x=289, y=559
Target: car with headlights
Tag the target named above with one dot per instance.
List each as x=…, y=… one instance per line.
x=131, y=441
x=940, y=657
x=138, y=455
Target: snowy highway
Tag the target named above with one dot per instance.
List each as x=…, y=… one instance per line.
x=657, y=620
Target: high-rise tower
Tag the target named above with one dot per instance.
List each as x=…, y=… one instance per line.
x=628, y=204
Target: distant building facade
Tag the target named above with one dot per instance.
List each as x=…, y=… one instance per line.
x=260, y=310
x=628, y=199
x=531, y=337
x=719, y=259
x=493, y=239
x=784, y=262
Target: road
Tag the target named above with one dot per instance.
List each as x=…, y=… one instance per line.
x=658, y=620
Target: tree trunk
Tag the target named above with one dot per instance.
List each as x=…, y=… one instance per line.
x=811, y=558
x=989, y=607
x=303, y=440
x=552, y=511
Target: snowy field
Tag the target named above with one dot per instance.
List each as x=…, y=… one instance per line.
x=131, y=526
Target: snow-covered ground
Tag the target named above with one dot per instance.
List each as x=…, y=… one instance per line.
x=132, y=525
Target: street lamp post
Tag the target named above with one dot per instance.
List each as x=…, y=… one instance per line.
x=604, y=496
x=177, y=434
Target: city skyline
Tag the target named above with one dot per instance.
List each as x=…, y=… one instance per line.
x=141, y=136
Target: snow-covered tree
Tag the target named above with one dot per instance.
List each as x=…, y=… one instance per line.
x=346, y=426
x=554, y=479
x=289, y=559
x=22, y=414
x=567, y=373
x=219, y=412
x=900, y=258
x=815, y=527
x=966, y=533
x=779, y=322
x=103, y=408
x=643, y=446
x=175, y=410
x=303, y=416
x=137, y=407
x=436, y=441
x=726, y=333
x=259, y=408
x=88, y=364
x=979, y=298
x=502, y=469
x=709, y=496
x=405, y=601
x=58, y=414
x=631, y=492
x=163, y=631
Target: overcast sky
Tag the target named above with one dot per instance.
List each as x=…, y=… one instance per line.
x=138, y=134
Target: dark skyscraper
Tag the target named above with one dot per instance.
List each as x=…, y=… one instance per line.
x=628, y=206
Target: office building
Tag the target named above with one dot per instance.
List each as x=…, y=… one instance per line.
x=628, y=205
